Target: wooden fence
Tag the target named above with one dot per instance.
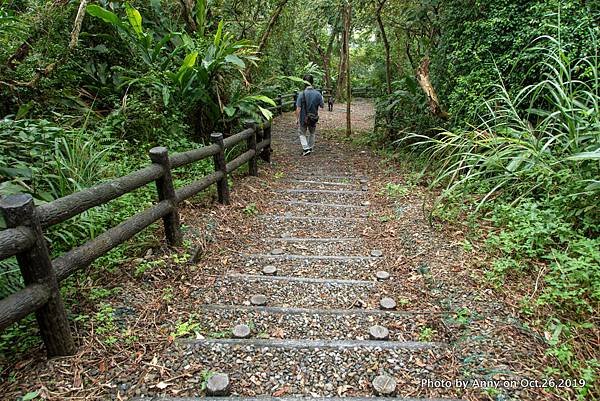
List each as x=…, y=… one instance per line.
x=24, y=236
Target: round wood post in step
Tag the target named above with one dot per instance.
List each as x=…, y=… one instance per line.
x=221, y=165
x=166, y=192
x=36, y=267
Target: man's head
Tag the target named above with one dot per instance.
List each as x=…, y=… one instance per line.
x=308, y=78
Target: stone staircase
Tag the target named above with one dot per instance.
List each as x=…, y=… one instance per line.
x=320, y=330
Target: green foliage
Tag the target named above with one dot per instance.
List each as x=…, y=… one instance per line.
x=535, y=231
x=427, y=334
x=184, y=329
x=478, y=37
x=542, y=142
x=251, y=209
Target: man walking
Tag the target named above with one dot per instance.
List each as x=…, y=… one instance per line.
x=307, y=114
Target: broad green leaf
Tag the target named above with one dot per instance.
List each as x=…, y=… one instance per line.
x=262, y=98
x=30, y=396
x=135, y=19
x=23, y=110
x=166, y=95
x=219, y=34
x=233, y=59
x=16, y=172
x=103, y=14
x=188, y=63
x=294, y=79
x=230, y=111
x=267, y=113
x=200, y=16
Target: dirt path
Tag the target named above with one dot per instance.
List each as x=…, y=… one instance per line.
x=326, y=224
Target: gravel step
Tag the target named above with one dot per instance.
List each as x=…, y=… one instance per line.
x=304, y=344
x=311, y=227
x=320, y=176
x=291, y=279
x=316, y=371
x=314, y=324
x=313, y=246
x=354, y=198
x=287, y=256
x=225, y=290
x=319, y=183
x=299, y=208
x=326, y=219
x=359, y=269
x=265, y=398
x=320, y=191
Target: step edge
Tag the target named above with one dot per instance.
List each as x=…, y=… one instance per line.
x=314, y=344
x=319, y=311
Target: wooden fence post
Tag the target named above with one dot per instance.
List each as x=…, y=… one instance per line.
x=251, y=145
x=36, y=267
x=220, y=164
x=266, y=152
x=166, y=192
x=280, y=104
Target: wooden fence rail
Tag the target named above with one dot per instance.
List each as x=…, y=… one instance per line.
x=24, y=236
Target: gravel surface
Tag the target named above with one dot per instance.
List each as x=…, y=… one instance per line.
x=230, y=291
x=217, y=322
x=320, y=372
x=129, y=341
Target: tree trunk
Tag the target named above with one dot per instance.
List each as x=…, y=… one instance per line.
x=324, y=59
x=341, y=81
x=347, y=22
x=265, y=36
x=386, y=45
x=425, y=83
x=272, y=21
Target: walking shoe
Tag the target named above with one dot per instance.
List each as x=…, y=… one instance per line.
x=306, y=152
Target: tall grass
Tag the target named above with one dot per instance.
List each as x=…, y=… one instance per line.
x=534, y=163
x=542, y=140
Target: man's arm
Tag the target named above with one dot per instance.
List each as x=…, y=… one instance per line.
x=322, y=102
x=298, y=108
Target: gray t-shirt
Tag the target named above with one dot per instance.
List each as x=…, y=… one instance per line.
x=314, y=100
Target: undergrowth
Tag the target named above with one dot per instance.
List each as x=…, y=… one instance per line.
x=529, y=174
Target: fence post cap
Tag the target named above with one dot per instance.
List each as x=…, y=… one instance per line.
x=216, y=135
x=17, y=209
x=158, y=150
x=16, y=201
